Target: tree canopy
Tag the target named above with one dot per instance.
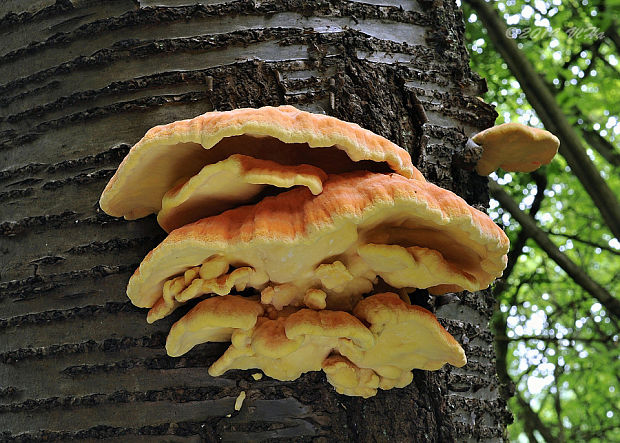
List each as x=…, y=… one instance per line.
x=556, y=63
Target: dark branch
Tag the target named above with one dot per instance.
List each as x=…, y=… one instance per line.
x=612, y=33
x=534, y=422
x=585, y=242
x=602, y=146
x=498, y=322
x=599, y=432
x=516, y=249
x=557, y=403
x=548, y=339
x=577, y=54
x=595, y=55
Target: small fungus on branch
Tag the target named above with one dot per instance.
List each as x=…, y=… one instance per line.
x=239, y=401
x=515, y=148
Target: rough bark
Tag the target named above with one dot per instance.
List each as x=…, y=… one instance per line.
x=82, y=82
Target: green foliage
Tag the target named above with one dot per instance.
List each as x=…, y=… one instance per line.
x=563, y=353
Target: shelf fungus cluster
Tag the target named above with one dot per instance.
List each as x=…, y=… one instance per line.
x=300, y=236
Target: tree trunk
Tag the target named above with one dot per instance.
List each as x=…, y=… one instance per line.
x=82, y=81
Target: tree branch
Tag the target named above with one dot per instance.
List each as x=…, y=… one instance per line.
x=599, y=432
x=595, y=55
x=516, y=248
x=577, y=54
x=585, y=242
x=543, y=101
x=534, y=422
x=612, y=33
x=539, y=236
x=609, y=65
x=602, y=146
x=594, y=139
x=557, y=403
x=498, y=322
x=591, y=46
x=547, y=339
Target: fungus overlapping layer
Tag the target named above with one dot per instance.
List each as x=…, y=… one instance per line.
x=172, y=154
x=357, y=359
x=362, y=226
x=515, y=148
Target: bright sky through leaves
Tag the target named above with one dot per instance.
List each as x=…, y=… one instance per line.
x=563, y=346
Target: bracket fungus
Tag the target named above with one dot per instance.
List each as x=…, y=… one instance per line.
x=202, y=166
x=515, y=148
x=292, y=279
x=362, y=226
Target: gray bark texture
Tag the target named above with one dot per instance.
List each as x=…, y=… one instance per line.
x=82, y=81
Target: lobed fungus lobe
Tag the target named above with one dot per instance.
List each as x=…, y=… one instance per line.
x=223, y=185
x=313, y=258
x=357, y=359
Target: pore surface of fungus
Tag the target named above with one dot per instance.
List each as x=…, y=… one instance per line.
x=515, y=148
x=223, y=185
x=362, y=226
x=175, y=152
